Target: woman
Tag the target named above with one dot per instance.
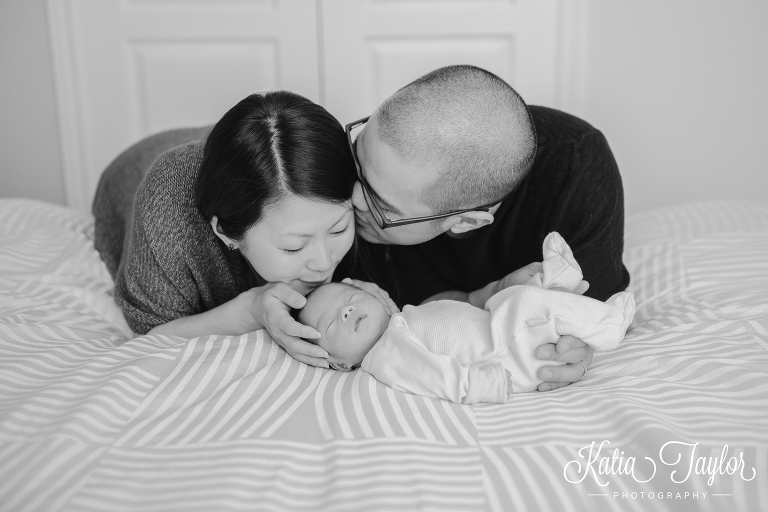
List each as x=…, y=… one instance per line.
x=226, y=235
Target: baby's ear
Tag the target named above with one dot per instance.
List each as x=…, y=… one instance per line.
x=337, y=365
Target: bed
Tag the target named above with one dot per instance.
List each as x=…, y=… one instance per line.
x=93, y=418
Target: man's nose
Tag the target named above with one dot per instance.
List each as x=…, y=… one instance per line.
x=358, y=198
x=345, y=312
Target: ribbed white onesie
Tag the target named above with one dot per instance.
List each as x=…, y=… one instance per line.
x=455, y=351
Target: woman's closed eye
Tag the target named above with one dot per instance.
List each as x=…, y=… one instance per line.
x=332, y=233
x=337, y=233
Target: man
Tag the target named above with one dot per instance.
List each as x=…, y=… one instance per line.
x=460, y=182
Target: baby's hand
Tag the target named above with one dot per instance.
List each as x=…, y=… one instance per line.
x=509, y=382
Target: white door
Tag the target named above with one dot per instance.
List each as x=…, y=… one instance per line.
x=128, y=68
x=374, y=47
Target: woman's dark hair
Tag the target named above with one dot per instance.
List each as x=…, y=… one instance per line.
x=265, y=146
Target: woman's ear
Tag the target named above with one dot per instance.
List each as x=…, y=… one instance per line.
x=338, y=365
x=467, y=221
x=231, y=244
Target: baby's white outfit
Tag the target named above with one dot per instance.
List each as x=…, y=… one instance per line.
x=455, y=351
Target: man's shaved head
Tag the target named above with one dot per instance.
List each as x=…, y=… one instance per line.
x=468, y=123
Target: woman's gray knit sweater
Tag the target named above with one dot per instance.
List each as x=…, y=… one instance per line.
x=163, y=255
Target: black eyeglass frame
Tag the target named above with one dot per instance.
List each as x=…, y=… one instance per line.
x=385, y=222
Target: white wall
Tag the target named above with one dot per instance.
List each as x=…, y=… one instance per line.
x=677, y=86
x=680, y=89
x=30, y=162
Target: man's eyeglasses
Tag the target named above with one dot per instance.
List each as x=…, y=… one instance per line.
x=377, y=211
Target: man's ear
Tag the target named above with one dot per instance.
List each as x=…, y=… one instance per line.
x=338, y=365
x=467, y=221
x=217, y=231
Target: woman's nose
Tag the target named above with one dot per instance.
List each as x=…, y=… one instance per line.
x=322, y=260
x=346, y=311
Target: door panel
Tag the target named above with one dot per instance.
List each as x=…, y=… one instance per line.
x=124, y=69
x=374, y=47
x=127, y=68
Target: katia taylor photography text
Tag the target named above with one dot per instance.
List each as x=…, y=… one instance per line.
x=685, y=459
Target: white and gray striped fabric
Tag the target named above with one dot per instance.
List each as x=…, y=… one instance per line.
x=92, y=419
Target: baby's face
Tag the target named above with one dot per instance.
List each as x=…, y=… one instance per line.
x=350, y=321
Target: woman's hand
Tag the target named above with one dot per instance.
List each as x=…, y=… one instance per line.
x=271, y=309
x=377, y=292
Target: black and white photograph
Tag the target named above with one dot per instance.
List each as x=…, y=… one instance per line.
x=383, y=255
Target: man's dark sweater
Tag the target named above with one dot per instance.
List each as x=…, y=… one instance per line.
x=574, y=188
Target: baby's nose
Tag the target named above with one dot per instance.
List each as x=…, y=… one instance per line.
x=346, y=312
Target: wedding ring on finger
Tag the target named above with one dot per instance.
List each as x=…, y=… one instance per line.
x=585, y=369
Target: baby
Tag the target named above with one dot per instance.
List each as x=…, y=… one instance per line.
x=455, y=351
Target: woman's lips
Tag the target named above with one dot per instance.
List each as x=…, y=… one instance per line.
x=314, y=284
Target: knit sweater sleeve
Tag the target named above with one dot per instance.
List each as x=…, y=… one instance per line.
x=173, y=266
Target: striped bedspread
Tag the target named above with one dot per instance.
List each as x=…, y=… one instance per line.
x=93, y=419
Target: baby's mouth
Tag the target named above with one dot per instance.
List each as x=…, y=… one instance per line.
x=359, y=320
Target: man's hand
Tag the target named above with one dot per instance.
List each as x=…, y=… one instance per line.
x=478, y=298
x=519, y=276
x=568, y=350
x=377, y=292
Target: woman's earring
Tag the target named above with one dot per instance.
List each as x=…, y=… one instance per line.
x=231, y=247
